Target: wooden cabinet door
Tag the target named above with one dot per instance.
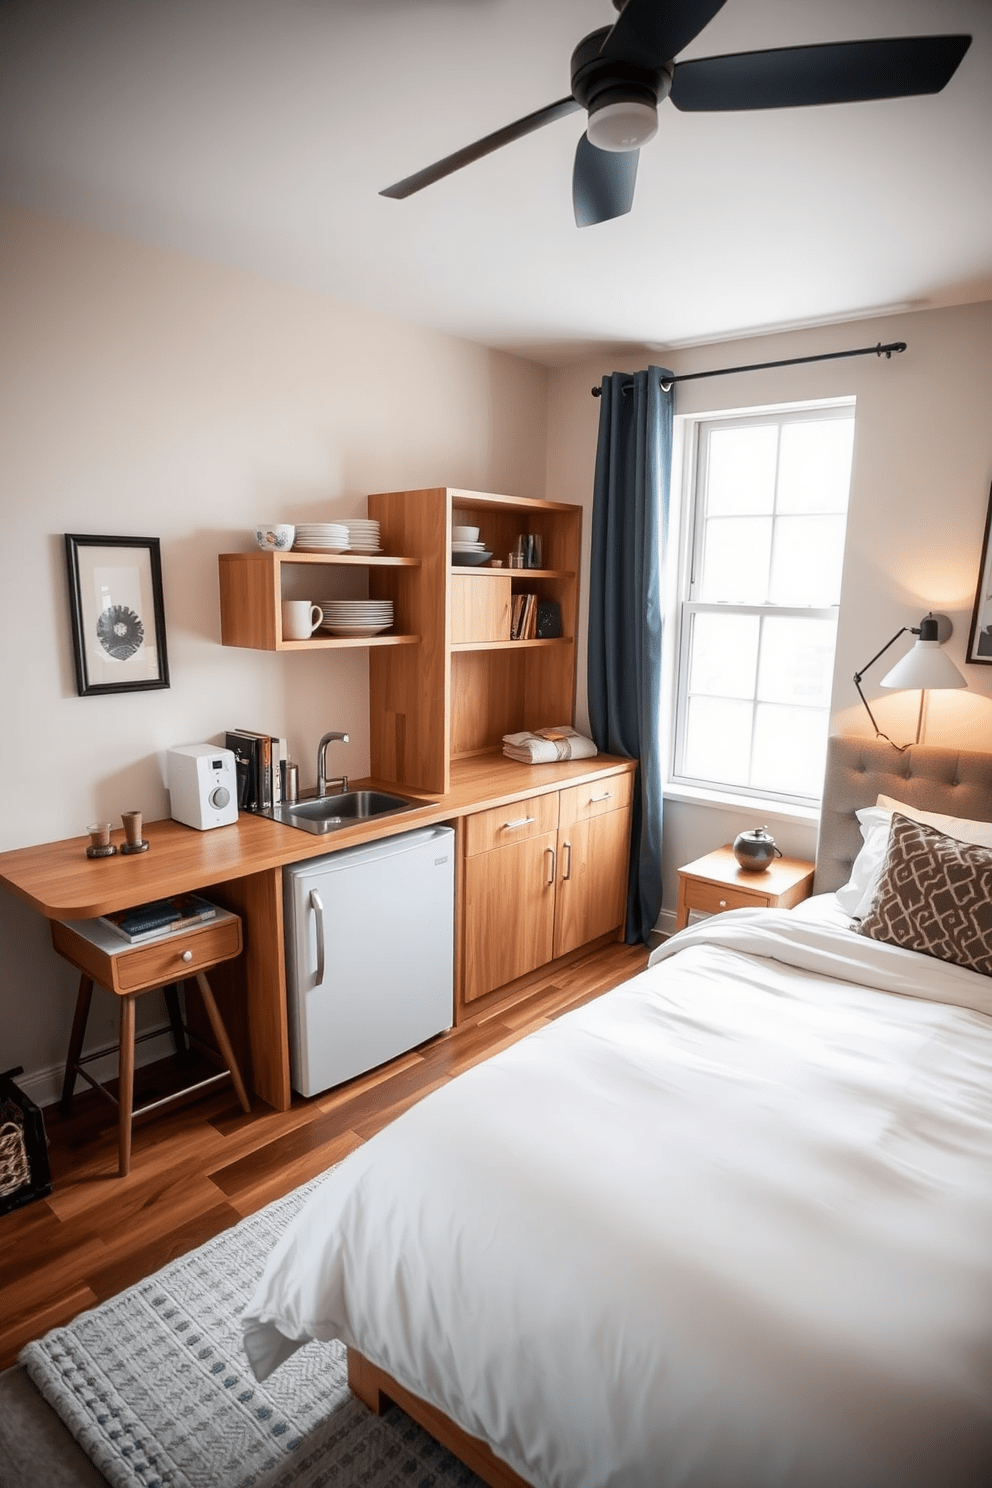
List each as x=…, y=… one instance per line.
x=509, y=913
x=592, y=879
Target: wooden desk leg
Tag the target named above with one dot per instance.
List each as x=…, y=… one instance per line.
x=79, y=1018
x=125, y=1086
x=223, y=1042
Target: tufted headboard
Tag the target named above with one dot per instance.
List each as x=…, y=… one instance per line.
x=957, y=782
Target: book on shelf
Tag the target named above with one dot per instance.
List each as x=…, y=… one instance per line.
x=160, y=917
x=263, y=767
x=523, y=618
x=244, y=747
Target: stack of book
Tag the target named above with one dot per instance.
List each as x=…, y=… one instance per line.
x=523, y=617
x=160, y=917
x=258, y=758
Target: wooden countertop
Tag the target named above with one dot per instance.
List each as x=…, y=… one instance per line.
x=58, y=880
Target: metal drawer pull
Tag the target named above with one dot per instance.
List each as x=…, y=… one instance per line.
x=523, y=821
x=568, y=871
x=186, y=956
x=606, y=796
x=551, y=875
x=318, y=909
x=723, y=903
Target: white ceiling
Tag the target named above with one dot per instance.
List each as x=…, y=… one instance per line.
x=259, y=132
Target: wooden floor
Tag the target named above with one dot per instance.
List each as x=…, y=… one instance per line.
x=200, y=1169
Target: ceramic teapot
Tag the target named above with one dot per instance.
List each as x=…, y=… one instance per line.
x=755, y=849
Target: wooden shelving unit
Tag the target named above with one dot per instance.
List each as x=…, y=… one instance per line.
x=251, y=600
x=447, y=682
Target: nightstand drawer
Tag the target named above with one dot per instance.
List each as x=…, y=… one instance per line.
x=96, y=950
x=178, y=956
x=713, y=898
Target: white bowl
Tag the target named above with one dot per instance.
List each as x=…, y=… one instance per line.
x=464, y=534
x=275, y=537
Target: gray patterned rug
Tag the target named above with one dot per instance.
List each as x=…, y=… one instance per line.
x=154, y=1386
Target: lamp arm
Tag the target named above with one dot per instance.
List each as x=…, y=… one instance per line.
x=857, y=682
x=859, y=675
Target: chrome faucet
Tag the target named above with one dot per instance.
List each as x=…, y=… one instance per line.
x=341, y=783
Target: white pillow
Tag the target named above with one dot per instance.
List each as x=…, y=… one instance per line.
x=856, y=895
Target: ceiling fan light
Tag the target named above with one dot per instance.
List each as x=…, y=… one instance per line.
x=622, y=126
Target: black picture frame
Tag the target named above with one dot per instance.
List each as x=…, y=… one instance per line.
x=980, y=637
x=118, y=613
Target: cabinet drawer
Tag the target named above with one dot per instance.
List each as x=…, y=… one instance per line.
x=162, y=960
x=513, y=823
x=712, y=898
x=595, y=798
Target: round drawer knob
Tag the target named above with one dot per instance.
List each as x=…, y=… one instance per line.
x=186, y=956
x=219, y=797
x=723, y=905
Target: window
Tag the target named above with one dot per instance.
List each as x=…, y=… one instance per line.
x=759, y=602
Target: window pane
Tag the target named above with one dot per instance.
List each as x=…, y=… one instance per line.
x=741, y=473
x=815, y=466
x=807, y=557
x=718, y=740
x=724, y=655
x=789, y=750
x=797, y=660
x=736, y=554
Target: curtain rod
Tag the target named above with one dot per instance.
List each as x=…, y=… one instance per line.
x=826, y=356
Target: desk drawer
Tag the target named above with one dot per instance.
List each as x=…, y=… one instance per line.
x=165, y=960
x=513, y=823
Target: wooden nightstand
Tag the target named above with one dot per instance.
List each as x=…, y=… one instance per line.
x=717, y=882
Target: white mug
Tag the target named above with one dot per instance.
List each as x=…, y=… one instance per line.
x=300, y=619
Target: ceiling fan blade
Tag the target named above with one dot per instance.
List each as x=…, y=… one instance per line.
x=602, y=183
x=652, y=32
x=485, y=146
x=835, y=72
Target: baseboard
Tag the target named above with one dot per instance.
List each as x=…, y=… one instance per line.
x=665, y=924
x=44, y=1086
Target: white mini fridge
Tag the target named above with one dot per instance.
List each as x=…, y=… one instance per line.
x=369, y=954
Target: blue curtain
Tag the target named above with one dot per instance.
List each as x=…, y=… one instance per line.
x=629, y=527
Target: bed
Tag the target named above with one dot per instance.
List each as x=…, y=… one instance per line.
x=730, y=1225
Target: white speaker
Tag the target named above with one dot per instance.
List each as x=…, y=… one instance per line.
x=203, y=786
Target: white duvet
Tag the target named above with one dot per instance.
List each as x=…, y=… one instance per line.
x=729, y=1226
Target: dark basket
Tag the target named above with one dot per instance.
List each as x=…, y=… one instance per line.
x=30, y=1148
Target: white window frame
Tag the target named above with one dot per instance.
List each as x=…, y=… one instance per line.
x=689, y=538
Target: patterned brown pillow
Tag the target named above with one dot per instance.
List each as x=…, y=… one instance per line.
x=935, y=896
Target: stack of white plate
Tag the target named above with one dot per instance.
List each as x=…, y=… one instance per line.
x=363, y=535
x=472, y=554
x=356, y=617
x=321, y=537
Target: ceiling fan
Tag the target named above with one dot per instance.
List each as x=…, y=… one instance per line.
x=621, y=73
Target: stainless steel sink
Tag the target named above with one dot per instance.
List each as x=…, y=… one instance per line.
x=331, y=813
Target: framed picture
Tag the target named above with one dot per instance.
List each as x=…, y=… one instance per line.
x=980, y=639
x=118, y=617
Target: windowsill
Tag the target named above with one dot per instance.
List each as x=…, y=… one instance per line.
x=754, y=805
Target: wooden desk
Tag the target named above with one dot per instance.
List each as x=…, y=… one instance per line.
x=240, y=868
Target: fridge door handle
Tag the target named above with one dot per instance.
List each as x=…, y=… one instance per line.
x=318, y=909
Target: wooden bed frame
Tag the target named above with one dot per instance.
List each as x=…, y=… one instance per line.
x=955, y=782
x=377, y=1389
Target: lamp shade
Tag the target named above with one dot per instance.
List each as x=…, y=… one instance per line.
x=926, y=665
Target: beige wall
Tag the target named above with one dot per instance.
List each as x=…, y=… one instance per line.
x=919, y=493
x=148, y=394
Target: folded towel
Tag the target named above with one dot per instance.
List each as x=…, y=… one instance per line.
x=544, y=746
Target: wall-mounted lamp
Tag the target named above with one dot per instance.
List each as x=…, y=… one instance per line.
x=925, y=666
